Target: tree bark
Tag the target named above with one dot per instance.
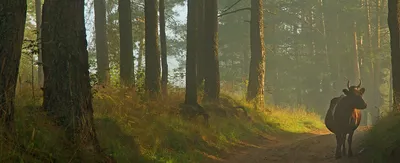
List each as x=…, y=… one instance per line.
x=12, y=25
x=393, y=22
x=200, y=43
x=163, y=37
x=126, y=43
x=140, y=70
x=152, y=63
x=191, y=86
x=255, y=90
x=38, y=11
x=141, y=54
x=103, y=67
x=67, y=92
x=212, y=78
x=390, y=89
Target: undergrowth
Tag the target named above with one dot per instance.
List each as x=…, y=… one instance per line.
x=383, y=140
x=133, y=130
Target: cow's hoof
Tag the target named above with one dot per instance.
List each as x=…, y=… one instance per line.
x=338, y=156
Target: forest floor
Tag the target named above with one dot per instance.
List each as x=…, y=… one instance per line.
x=131, y=128
x=315, y=147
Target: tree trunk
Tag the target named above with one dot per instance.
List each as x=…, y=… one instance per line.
x=140, y=60
x=12, y=25
x=246, y=62
x=103, y=73
x=361, y=55
x=140, y=68
x=191, y=86
x=141, y=54
x=378, y=74
x=163, y=37
x=391, y=89
x=152, y=63
x=357, y=74
x=393, y=22
x=212, y=78
x=337, y=65
x=126, y=43
x=369, y=58
x=200, y=43
x=38, y=11
x=67, y=92
x=255, y=89
x=326, y=80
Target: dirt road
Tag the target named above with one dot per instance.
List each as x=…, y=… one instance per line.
x=316, y=148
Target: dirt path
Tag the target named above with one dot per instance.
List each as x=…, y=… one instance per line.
x=317, y=148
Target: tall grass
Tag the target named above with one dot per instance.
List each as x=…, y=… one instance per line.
x=131, y=128
x=383, y=140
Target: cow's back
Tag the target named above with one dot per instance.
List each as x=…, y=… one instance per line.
x=329, y=120
x=341, y=120
x=329, y=123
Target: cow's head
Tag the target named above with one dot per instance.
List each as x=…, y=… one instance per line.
x=355, y=93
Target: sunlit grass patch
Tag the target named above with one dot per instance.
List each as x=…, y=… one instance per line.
x=296, y=120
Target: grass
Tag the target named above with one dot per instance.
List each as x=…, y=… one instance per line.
x=383, y=140
x=131, y=129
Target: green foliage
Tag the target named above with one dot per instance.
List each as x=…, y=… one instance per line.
x=383, y=140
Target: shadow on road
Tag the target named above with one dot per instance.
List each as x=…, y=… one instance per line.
x=316, y=147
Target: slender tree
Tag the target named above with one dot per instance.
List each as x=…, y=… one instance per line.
x=152, y=58
x=356, y=65
x=323, y=46
x=394, y=25
x=212, y=78
x=164, y=77
x=67, y=93
x=200, y=43
x=377, y=60
x=101, y=42
x=12, y=25
x=140, y=69
x=38, y=11
x=255, y=89
x=126, y=43
x=191, y=86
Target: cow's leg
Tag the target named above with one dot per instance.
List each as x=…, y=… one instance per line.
x=350, y=141
x=344, y=144
x=339, y=142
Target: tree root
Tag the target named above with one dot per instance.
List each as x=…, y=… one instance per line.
x=192, y=111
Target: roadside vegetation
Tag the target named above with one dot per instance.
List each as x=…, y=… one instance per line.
x=129, y=128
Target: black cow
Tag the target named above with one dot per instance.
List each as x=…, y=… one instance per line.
x=344, y=115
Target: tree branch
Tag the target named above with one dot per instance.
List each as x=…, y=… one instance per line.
x=234, y=11
x=231, y=6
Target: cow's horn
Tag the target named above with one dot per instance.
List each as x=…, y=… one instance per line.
x=348, y=83
x=359, y=84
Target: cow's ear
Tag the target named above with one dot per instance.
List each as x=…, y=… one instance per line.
x=346, y=91
x=362, y=90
